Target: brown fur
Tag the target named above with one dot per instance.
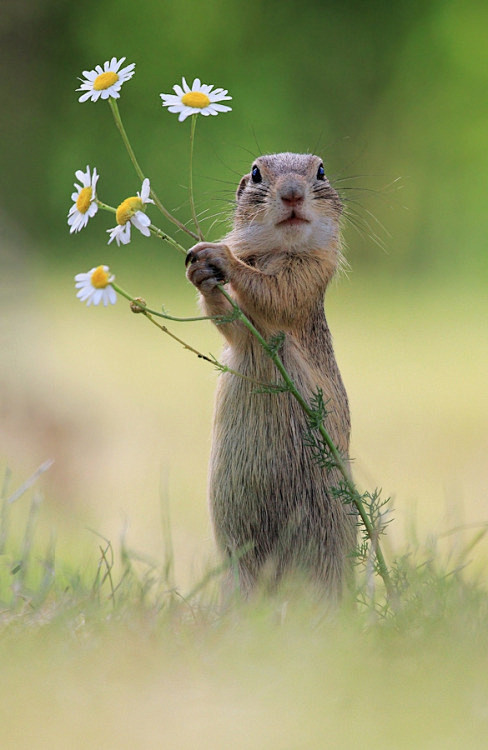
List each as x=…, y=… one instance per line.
x=265, y=490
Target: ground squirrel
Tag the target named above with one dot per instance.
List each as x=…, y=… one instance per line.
x=266, y=493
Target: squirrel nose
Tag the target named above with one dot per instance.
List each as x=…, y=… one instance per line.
x=292, y=195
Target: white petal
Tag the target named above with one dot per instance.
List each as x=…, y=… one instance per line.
x=127, y=72
x=76, y=224
x=121, y=234
x=84, y=293
x=145, y=190
x=220, y=107
x=141, y=222
x=142, y=218
x=113, y=234
x=218, y=98
x=170, y=101
x=97, y=296
x=124, y=236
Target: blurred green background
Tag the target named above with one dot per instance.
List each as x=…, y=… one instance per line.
x=382, y=90
x=392, y=95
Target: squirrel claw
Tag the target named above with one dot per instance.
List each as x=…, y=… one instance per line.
x=190, y=257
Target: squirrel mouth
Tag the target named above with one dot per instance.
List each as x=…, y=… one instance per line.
x=293, y=220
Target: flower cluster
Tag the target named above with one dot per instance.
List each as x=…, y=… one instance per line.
x=199, y=98
x=105, y=82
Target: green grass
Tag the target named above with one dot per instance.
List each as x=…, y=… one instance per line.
x=116, y=654
x=102, y=643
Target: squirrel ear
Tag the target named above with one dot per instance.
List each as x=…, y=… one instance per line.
x=242, y=186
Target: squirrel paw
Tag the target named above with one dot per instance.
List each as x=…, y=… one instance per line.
x=208, y=265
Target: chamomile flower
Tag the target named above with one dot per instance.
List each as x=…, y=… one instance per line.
x=199, y=99
x=95, y=286
x=84, y=197
x=106, y=81
x=131, y=211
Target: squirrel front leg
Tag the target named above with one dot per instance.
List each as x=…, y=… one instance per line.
x=210, y=264
x=274, y=301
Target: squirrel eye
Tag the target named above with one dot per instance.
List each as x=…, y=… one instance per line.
x=321, y=173
x=256, y=174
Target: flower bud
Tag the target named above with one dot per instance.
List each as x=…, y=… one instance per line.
x=138, y=304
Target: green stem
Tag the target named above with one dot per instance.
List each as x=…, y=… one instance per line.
x=149, y=313
x=162, y=328
x=167, y=238
x=338, y=460
x=190, y=179
x=105, y=206
x=144, y=308
x=118, y=121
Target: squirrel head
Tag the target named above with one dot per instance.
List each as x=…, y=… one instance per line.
x=286, y=200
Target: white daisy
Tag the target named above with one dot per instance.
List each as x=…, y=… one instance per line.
x=198, y=99
x=131, y=211
x=84, y=197
x=94, y=286
x=106, y=81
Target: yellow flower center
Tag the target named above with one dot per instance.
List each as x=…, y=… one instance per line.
x=100, y=278
x=195, y=99
x=105, y=80
x=84, y=199
x=128, y=208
